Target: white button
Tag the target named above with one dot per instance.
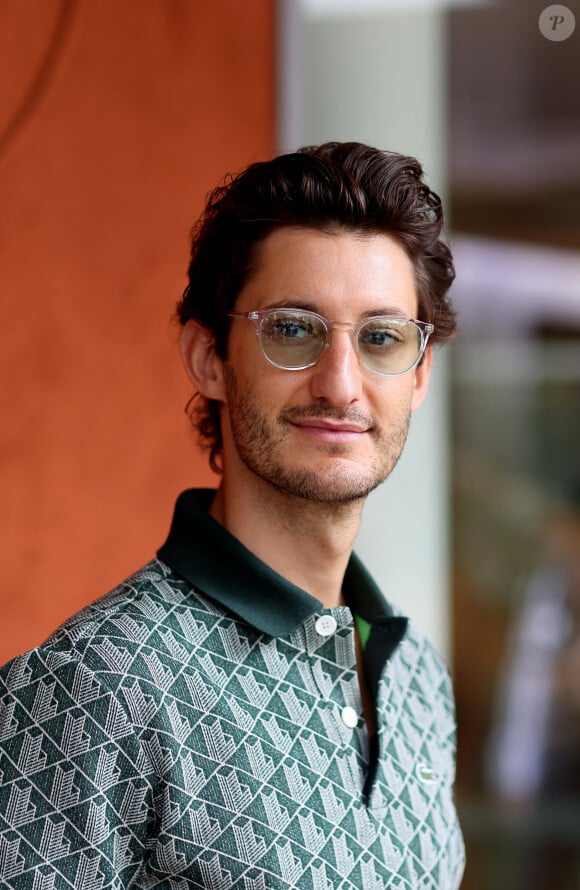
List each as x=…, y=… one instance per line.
x=349, y=716
x=325, y=625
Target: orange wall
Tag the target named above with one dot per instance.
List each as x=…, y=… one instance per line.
x=117, y=117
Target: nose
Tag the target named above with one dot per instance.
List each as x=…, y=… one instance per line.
x=337, y=376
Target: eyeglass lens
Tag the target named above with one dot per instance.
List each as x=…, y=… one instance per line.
x=294, y=339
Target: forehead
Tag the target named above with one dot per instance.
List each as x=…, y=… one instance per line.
x=344, y=272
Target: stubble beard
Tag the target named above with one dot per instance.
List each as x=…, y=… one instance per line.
x=257, y=442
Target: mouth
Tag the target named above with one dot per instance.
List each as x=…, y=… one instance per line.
x=330, y=431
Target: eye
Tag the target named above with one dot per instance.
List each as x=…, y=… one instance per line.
x=291, y=330
x=381, y=336
x=289, y=327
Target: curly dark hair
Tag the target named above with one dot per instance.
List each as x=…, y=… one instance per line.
x=346, y=186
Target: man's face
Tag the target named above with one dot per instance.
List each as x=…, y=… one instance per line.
x=332, y=432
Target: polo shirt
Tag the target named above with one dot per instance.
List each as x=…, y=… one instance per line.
x=201, y=726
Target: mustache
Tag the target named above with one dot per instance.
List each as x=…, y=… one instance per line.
x=327, y=412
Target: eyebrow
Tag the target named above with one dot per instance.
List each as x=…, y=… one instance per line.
x=390, y=311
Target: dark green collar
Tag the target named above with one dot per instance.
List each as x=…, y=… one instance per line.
x=201, y=550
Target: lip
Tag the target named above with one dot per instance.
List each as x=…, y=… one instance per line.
x=328, y=431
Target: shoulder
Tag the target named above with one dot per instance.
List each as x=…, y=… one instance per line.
x=97, y=676
x=151, y=592
x=421, y=671
x=418, y=649
x=105, y=637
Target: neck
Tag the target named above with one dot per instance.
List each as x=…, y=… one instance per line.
x=308, y=543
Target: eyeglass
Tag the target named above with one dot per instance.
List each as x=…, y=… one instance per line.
x=294, y=339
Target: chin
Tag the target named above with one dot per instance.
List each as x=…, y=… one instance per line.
x=326, y=488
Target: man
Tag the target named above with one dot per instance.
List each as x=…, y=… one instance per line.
x=247, y=710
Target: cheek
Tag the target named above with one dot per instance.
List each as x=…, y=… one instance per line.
x=404, y=393
x=394, y=394
x=240, y=354
x=274, y=389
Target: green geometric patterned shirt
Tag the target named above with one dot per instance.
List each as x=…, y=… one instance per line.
x=201, y=726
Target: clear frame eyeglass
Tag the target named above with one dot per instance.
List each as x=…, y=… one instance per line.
x=295, y=339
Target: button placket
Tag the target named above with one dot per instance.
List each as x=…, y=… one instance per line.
x=338, y=635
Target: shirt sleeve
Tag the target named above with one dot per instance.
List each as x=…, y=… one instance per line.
x=76, y=789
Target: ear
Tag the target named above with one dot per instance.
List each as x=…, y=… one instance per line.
x=421, y=382
x=202, y=364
